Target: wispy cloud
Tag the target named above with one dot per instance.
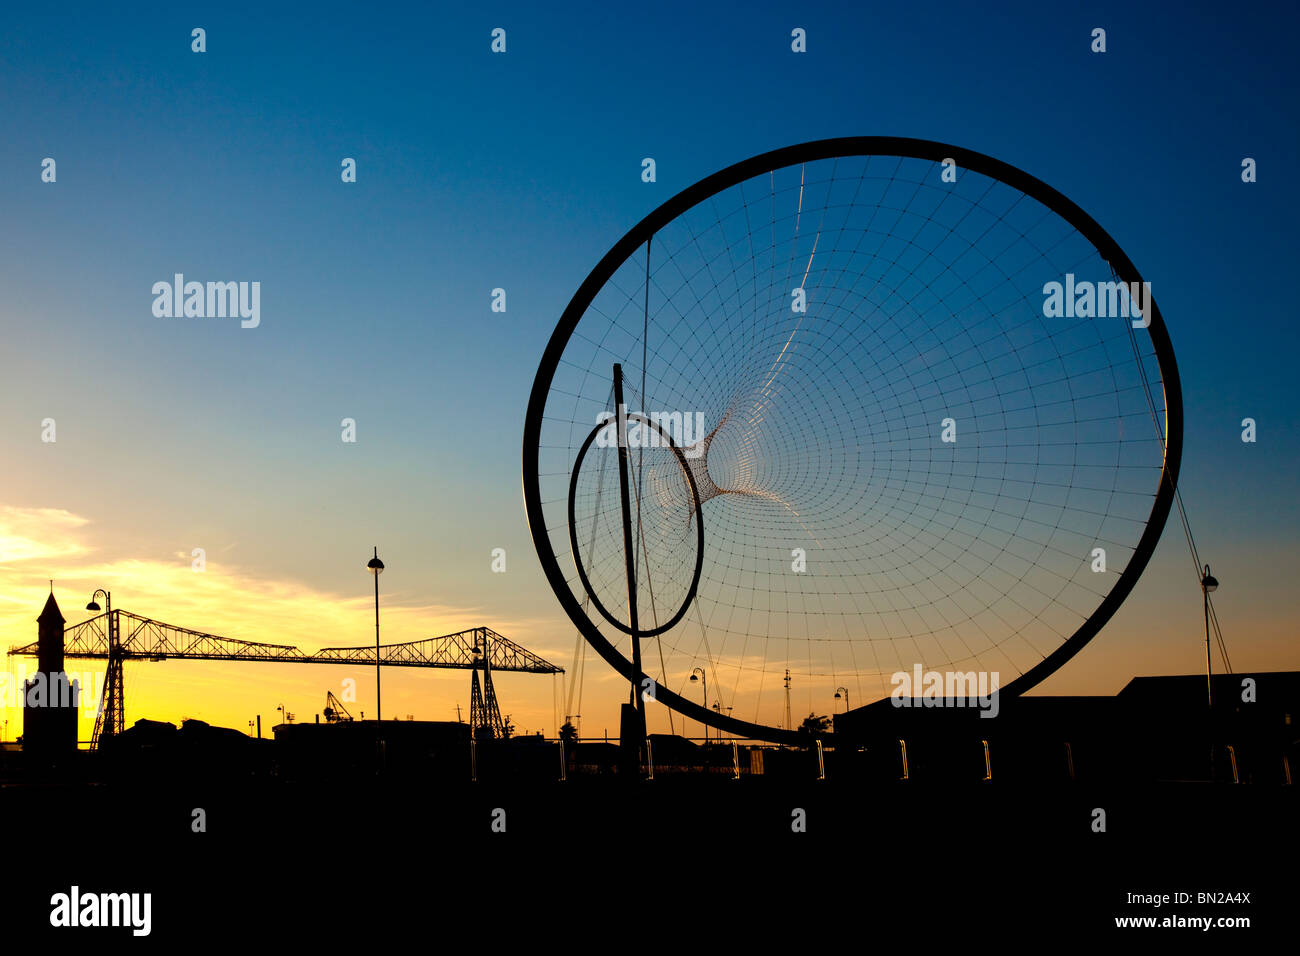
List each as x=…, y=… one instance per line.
x=221, y=599
x=31, y=534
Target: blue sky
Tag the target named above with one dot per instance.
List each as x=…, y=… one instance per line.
x=520, y=170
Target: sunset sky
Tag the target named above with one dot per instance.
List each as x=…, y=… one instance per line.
x=477, y=171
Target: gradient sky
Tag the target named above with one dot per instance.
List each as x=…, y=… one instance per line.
x=520, y=170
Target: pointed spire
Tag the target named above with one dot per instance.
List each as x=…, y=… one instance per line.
x=51, y=610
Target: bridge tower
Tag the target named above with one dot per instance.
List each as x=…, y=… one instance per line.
x=484, y=714
x=111, y=718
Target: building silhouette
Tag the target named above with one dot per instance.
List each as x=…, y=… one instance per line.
x=50, y=699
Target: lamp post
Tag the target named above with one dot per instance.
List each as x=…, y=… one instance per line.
x=108, y=618
x=698, y=675
x=1208, y=583
x=845, y=692
x=94, y=606
x=377, y=568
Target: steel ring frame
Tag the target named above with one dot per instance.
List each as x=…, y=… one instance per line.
x=905, y=147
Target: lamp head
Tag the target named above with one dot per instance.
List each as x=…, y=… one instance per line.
x=375, y=565
x=1209, y=582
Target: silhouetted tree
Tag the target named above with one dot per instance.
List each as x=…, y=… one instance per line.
x=813, y=724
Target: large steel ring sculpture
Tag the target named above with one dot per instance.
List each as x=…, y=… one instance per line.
x=843, y=410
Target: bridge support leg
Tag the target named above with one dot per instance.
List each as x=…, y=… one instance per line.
x=111, y=718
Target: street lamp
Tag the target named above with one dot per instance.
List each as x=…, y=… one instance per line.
x=845, y=692
x=94, y=606
x=108, y=619
x=698, y=675
x=377, y=568
x=1208, y=583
